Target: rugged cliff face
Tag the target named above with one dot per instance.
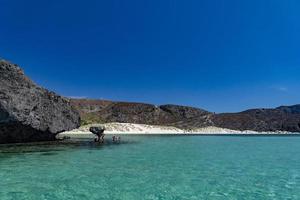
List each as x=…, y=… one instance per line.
x=285, y=118
x=28, y=112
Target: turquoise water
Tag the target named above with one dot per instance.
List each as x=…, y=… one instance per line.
x=154, y=167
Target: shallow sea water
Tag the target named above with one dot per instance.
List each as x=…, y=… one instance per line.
x=154, y=167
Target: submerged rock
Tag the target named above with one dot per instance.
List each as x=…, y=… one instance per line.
x=28, y=112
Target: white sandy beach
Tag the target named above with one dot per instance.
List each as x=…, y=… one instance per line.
x=138, y=129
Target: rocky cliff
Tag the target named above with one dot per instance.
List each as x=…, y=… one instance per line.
x=285, y=118
x=28, y=112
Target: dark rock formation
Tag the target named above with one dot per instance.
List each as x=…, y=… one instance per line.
x=97, y=130
x=28, y=112
x=285, y=118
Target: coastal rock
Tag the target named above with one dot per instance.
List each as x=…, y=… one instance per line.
x=28, y=112
x=97, y=130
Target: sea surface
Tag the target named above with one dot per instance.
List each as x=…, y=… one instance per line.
x=154, y=167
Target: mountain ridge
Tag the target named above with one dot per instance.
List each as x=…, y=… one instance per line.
x=282, y=118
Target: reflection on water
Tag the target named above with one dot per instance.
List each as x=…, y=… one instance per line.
x=52, y=146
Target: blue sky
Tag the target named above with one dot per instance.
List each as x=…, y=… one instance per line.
x=223, y=56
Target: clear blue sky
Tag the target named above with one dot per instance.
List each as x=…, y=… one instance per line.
x=221, y=55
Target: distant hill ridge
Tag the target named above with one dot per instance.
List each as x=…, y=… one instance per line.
x=284, y=118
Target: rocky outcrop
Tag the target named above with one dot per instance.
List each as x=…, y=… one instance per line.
x=284, y=118
x=28, y=112
x=97, y=130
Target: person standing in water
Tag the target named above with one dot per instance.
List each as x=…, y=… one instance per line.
x=116, y=138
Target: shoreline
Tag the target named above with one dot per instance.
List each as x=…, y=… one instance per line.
x=144, y=129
